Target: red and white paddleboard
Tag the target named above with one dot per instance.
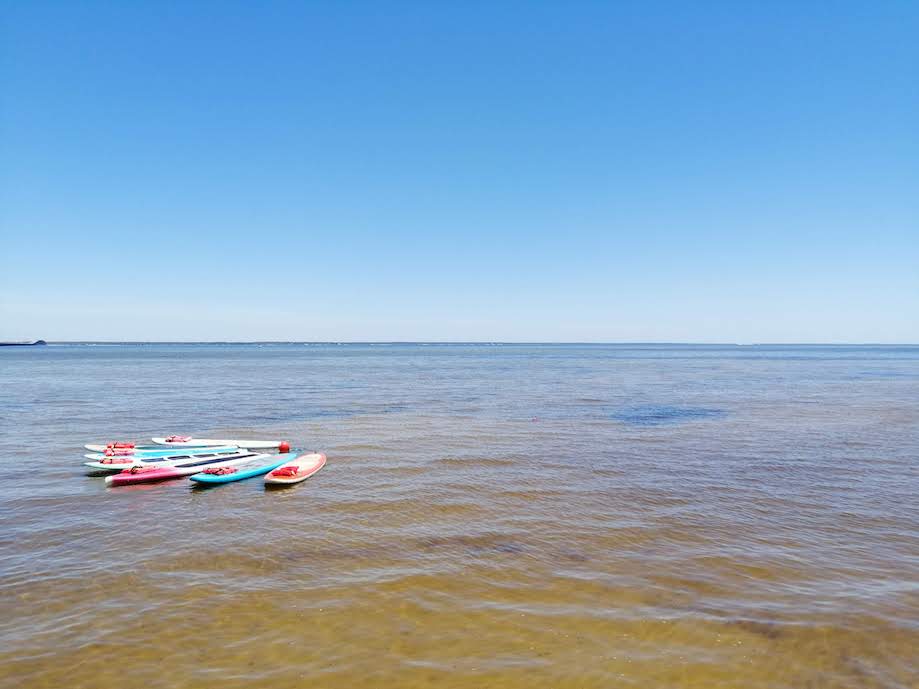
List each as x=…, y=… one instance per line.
x=297, y=470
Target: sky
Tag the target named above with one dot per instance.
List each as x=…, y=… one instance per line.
x=460, y=171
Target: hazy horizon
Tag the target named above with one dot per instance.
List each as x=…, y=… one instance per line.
x=634, y=343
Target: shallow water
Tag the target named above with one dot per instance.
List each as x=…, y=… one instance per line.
x=490, y=516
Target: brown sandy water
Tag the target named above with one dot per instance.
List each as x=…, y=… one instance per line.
x=545, y=533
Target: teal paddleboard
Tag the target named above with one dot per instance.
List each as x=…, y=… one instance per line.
x=243, y=472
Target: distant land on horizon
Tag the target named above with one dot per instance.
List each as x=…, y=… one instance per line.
x=22, y=343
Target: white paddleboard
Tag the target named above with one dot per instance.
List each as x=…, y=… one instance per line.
x=194, y=459
x=248, y=444
x=163, y=452
x=98, y=447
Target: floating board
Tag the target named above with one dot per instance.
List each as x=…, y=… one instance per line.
x=162, y=452
x=98, y=447
x=297, y=470
x=248, y=444
x=148, y=474
x=119, y=463
x=245, y=471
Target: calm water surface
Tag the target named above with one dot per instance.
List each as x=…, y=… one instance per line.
x=490, y=516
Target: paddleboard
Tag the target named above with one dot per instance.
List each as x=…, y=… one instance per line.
x=148, y=474
x=238, y=473
x=159, y=452
x=119, y=463
x=248, y=444
x=98, y=447
x=298, y=470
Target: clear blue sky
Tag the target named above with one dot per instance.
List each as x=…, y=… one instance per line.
x=564, y=171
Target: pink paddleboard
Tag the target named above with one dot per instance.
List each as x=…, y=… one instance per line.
x=147, y=474
x=297, y=470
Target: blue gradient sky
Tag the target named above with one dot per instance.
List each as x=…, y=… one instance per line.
x=712, y=172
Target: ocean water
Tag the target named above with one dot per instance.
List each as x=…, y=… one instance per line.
x=490, y=516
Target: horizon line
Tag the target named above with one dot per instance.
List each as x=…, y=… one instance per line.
x=489, y=342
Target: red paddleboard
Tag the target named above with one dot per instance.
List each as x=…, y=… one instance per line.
x=297, y=470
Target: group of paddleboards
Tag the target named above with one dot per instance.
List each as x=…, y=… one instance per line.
x=203, y=460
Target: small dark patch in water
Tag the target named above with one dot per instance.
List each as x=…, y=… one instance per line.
x=770, y=630
x=353, y=411
x=473, y=545
x=331, y=553
x=362, y=447
x=862, y=375
x=535, y=494
x=658, y=415
x=393, y=409
x=606, y=471
x=574, y=556
x=403, y=470
x=334, y=413
x=475, y=461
